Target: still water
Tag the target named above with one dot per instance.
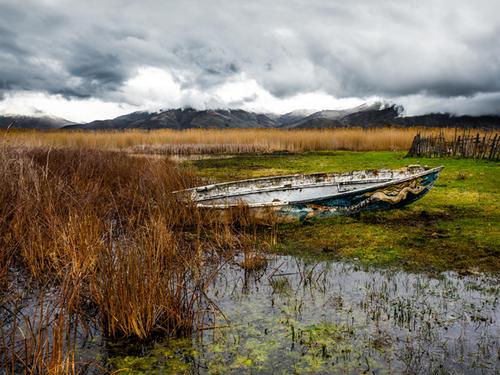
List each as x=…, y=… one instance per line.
x=301, y=316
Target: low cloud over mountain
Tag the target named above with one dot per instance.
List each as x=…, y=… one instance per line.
x=367, y=116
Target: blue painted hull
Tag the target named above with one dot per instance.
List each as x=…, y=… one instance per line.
x=384, y=198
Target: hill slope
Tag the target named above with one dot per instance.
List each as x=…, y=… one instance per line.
x=183, y=119
x=32, y=122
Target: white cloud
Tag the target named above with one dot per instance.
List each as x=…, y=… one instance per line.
x=77, y=110
x=475, y=105
x=153, y=89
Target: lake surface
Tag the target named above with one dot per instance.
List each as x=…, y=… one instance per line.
x=302, y=316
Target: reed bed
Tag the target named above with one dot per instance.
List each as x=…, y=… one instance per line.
x=102, y=233
x=41, y=341
x=224, y=141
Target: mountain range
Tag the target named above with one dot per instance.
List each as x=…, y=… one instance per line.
x=366, y=116
x=33, y=122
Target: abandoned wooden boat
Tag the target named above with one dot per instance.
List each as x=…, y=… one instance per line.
x=302, y=196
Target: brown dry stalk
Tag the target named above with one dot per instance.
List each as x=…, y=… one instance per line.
x=226, y=141
x=104, y=231
x=40, y=342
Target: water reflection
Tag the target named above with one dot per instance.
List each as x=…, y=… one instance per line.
x=298, y=316
x=334, y=317
x=327, y=317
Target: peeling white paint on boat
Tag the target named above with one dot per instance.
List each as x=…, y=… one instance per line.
x=326, y=192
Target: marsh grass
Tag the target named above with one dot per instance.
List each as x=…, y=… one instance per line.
x=226, y=141
x=104, y=230
x=254, y=261
x=104, y=241
x=42, y=341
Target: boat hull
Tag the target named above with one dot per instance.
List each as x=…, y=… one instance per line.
x=299, y=197
x=380, y=198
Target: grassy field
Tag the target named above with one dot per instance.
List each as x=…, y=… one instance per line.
x=456, y=226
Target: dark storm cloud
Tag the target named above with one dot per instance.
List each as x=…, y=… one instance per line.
x=48, y=50
x=9, y=44
x=388, y=48
x=98, y=72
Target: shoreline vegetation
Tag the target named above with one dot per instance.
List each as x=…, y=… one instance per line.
x=230, y=141
x=97, y=239
x=94, y=243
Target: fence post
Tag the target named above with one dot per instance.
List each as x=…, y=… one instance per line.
x=493, y=148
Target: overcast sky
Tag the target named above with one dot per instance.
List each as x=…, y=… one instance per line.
x=89, y=59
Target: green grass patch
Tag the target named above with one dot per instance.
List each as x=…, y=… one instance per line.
x=456, y=226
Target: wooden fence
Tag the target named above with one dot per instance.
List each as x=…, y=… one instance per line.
x=486, y=146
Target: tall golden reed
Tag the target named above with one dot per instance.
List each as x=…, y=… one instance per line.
x=218, y=141
x=102, y=233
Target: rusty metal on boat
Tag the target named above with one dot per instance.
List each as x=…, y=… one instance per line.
x=302, y=196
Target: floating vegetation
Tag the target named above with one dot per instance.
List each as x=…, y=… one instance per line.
x=325, y=317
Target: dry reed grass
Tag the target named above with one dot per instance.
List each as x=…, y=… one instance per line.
x=105, y=230
x=232, y=141
x=254, y=261
x=42, y=341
